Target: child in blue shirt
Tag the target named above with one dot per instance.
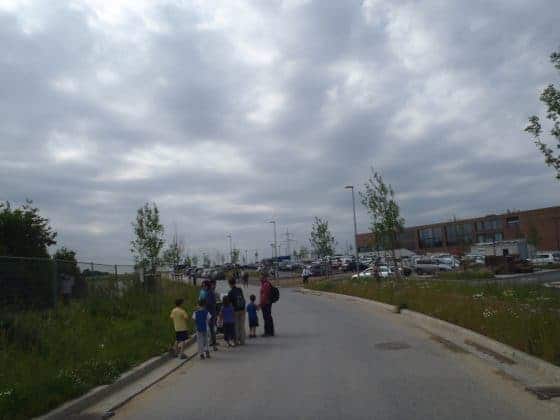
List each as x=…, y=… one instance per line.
x=253, y=318
x=228, y=319
x=201, y=318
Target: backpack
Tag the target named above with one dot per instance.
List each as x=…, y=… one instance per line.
x=238, y=300
x=274, y=294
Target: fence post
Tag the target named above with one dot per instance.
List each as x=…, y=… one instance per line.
x=55, y=282
x=116, y=273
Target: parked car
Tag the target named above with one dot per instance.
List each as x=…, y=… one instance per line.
x=383, y=272
x=543, y=259
x=431, y=266
x=351, y=266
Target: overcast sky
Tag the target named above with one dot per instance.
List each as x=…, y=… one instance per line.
x=228, y=113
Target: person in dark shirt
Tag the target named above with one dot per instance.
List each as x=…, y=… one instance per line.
x=228, y=319
x=238, y=302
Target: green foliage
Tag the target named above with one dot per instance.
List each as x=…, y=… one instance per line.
x=49, y=357
x=550, y=96
x=526, y=317
x=187, y=261
x=466, y=275
x=322, y=241
x=194, y=260
x=148, y=242
x=235, y=256
x=174, y=254
x=23, y=232
x=379, y=200
x=303, y=253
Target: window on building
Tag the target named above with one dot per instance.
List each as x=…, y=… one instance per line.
x=431, y=237
x=498, y=236
x=513, y=220
x=459, y=234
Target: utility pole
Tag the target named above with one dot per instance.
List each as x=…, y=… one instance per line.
x=275, y=256
x=351, y=187
x=230, y=249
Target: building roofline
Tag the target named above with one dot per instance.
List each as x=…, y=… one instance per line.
x=474, y=219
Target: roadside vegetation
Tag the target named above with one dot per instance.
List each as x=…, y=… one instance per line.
x=526, y=317
x=50, y=356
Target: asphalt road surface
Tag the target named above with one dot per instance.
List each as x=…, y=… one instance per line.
x=336, y=358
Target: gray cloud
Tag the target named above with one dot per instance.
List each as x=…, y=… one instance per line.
x=232, y=113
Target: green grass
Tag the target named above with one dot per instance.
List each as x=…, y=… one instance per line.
x=466, y=275
x=48, y=357
x=526, y=317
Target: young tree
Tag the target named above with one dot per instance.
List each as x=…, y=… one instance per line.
x=321, y=239
x=23, y=232
x=175, y=252
x=303, y=253
x=235, y=256
x=148, y=242
x=551, y=98
x=386, y=221
x=187, y=261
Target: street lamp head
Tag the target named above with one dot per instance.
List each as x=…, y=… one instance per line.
x=272, y=221
x=349, y=187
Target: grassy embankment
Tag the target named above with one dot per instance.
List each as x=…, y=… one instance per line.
x=48, y=357
x=526, y=317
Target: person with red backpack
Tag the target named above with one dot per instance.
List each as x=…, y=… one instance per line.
x=269, y=295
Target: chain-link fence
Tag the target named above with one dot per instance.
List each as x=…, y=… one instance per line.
x=68, y=326
x=36, y=283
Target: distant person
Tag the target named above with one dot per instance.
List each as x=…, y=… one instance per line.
x=245, y=277
x=305, y=274
x=238, y=301
x=193, y=275
x=253, y=318
x=211, y=308
x=179, y=317
x=202, y=318
x=227, y=318
x=266, y=306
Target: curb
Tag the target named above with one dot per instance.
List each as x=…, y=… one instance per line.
x=468, y=337
x=75, y=406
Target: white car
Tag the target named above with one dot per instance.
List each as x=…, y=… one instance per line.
x=543, y=259
x=383, y=271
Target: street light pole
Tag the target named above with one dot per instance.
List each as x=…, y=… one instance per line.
x=351, y=187
x=230, y=250
x=275, y=251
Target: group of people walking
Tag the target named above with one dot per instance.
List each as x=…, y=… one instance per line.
x=230, y=317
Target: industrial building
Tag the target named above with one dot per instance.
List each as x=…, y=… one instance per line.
x=540, y=227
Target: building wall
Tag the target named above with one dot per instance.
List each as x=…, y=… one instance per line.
x=457, y=236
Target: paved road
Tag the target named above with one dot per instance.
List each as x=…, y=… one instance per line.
x=329, y=361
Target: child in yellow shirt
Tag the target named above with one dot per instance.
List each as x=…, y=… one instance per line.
x=179, y=317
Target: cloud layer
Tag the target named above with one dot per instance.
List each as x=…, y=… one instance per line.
x=228, y=113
